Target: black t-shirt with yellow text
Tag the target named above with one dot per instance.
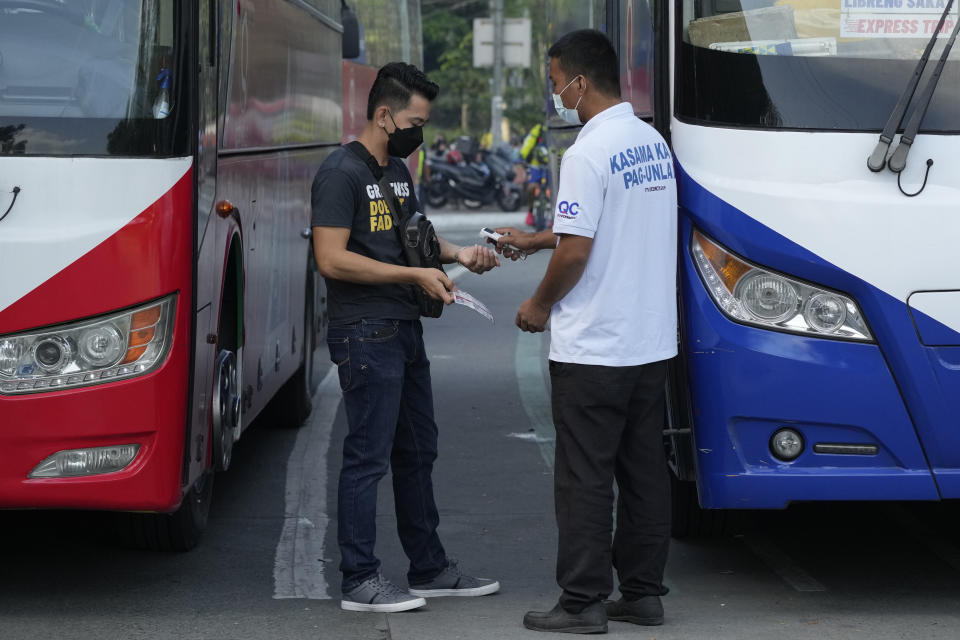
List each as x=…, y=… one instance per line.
x=345, y=194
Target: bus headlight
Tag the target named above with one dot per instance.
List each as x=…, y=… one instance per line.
x=766, y=296
x=760, y=297
x=102, y=346
x=87, y=352
x=52, y=353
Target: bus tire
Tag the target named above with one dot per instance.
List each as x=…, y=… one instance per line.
x=292, y=406
x=177, y=531
x=689, y=519
x=294, y=402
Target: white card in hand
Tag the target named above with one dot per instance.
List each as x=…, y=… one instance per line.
x=462, y=297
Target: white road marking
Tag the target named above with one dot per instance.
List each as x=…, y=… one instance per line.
x=531, y=436
x=456, y=272
x=781, y=564
x=534, y=392
x=298, y=570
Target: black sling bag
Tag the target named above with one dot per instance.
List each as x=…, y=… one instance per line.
x=421, y=247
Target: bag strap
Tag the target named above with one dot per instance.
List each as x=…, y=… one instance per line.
x=385, y=189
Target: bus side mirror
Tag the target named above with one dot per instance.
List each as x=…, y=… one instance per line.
x=351, y=32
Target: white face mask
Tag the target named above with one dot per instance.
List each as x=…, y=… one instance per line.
x=570, y=116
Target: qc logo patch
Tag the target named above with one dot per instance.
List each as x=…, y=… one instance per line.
x=568, y=209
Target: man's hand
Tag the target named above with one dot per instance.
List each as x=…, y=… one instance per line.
x=515, y=238
x=532, y=317
x=477, y=259
x=435, y=283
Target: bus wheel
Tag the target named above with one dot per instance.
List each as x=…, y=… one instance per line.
x=688, y=519
x=226, y=408
x=177, y=531
x=293, y=404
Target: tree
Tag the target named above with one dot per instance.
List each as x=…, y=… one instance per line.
x=448, y=60
x=465, y=91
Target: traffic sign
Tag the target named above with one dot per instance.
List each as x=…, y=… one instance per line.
x=516, y=42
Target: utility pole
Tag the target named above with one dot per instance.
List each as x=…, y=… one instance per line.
x=405, y=31
x=496, y=102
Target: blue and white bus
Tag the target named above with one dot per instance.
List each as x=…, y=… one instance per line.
x=820, y=299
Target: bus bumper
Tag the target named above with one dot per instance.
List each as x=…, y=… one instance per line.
x=148, y=411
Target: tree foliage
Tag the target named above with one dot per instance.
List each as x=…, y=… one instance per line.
x=466, y=90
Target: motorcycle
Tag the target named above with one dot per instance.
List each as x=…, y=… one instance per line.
x=475, y=184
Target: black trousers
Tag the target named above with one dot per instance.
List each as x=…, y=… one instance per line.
x=609, y=422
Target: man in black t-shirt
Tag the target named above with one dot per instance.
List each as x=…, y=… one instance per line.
x=376, y=341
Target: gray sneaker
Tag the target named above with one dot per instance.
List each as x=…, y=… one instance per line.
x=452, y=582
x=379, y=595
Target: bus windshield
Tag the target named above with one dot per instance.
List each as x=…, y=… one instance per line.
x=89, y=77
x=811, y=64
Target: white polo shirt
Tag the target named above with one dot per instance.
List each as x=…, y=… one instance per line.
x=617, y=187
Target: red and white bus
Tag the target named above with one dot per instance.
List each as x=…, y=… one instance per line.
x=156, y=284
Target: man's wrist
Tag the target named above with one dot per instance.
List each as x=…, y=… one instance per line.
x=412, y=275
x=528, y=241
x=456, y=255
x=545, y=239
x=538, y=301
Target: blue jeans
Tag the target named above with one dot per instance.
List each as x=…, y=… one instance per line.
x=385, y=378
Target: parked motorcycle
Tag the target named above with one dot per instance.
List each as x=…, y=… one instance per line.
x=476, y=184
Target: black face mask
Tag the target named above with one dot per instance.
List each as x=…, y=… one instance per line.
x=402, y=142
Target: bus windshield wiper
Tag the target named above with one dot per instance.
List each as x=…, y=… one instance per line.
x=898, y=161
x=878, y=158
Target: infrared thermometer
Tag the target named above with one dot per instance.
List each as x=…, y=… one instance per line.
x=492, y=237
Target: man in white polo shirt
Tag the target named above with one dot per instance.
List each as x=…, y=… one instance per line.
x=610, y=290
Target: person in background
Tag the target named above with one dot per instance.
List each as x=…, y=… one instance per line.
x=515, y=155
x=423, y=177
x=534, y=153
x=486, y=140
x=519, y=168
x=439, y=146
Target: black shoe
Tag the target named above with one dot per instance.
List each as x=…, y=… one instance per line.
x=593, y=619
x=647, y=611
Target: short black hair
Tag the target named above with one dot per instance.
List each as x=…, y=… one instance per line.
x=589, y=53
x=395, y=83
